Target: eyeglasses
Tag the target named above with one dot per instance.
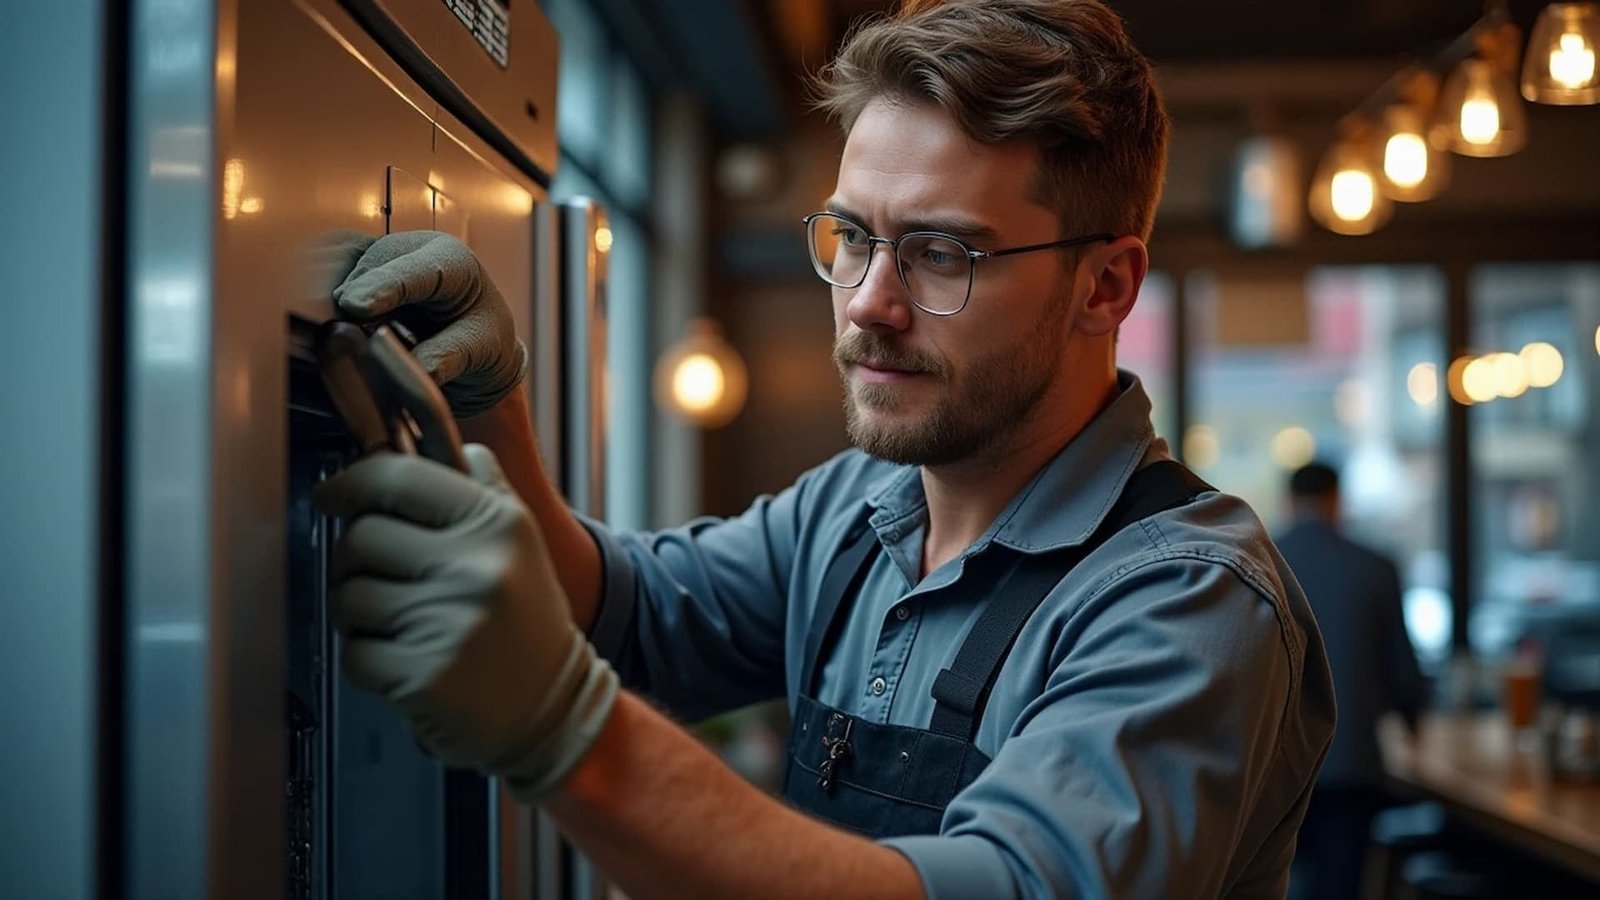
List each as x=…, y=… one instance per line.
x=936, y=268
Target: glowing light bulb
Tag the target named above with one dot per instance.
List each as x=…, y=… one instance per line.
x=1510, y=378
x=1293, y=447
x=1352, y=192
x=1572, y=62
x=1345, y=196
x=1201, y=446
x=1422, y=383
x=1543, y=363
x=700, y=377
x=602, y=239
x=1480, y=119
x=1405, y=159
x=1456, y=380
x=1477, y=380
x=1559, y=65
x=698, y=383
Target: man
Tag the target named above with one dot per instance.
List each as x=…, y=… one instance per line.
x=1026, y=653
x=1355, y=594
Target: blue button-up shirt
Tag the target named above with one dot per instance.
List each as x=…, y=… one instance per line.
x=1155, y=729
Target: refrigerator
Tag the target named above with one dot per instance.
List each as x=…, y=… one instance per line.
x=216, y=749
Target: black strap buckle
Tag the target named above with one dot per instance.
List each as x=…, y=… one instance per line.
x=837, y=742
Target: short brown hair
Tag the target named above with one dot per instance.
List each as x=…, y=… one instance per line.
x=1061, y=73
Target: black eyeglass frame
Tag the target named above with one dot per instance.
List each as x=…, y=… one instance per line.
x=973, y=255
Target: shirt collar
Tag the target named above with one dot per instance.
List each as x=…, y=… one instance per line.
x=1067, y=500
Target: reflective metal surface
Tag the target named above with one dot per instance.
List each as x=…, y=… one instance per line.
x=586, y=239
x=261, y=133
x=544, y=376
x=174, y=739
x=479, y=199
x=499, y=77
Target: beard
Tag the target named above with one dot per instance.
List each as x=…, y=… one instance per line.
x=996, y=396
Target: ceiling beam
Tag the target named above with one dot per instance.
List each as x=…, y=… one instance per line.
x=1208, y=87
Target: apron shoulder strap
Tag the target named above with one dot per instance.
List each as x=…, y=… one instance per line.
x=961, y=691
x=843, y=579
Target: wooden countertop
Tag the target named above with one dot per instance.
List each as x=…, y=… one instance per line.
x=1471, y=765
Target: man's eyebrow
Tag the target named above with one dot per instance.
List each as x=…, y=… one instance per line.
x=835, y=206
x=958, y=225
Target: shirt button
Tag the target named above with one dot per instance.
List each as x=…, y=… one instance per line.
x=901, y=613
x=879, y=685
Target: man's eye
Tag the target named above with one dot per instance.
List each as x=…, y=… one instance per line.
x=850, y=237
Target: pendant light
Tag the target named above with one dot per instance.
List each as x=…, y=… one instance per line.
x=1480, y=112
x=1411, y=169
x=1264, y=207
x=701, y=378
x=1560, y=67
x=1345, y=195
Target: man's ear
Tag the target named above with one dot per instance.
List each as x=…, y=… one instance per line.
x=1117, y=268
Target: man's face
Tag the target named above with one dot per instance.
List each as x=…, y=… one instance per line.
x=927, y=390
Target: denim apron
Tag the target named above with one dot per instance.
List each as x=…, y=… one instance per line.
x=890, y=780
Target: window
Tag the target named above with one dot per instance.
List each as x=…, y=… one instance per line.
x=603, y=125
x=1144, y=347
x=583, y=86
x=1534, y=448
x=1343, y=364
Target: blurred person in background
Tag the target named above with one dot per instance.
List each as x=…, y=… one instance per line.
x=1355, y=593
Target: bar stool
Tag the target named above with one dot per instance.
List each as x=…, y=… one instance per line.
x=1398, y=833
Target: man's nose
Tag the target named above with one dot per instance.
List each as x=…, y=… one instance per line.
x=881, y=302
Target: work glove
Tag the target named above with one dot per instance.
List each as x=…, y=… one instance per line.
x=451, y=610
x=434, y=285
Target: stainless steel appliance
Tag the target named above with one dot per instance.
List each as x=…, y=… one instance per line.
x=234, y=140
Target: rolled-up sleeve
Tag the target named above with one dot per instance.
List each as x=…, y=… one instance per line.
x=694, y=617
x=1139, y=768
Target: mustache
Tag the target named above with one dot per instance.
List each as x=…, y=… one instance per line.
x=868, y=349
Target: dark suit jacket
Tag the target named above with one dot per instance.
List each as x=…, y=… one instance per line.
x=1355, y=594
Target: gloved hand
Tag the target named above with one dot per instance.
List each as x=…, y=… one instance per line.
x=452, y=611
x=434, y=285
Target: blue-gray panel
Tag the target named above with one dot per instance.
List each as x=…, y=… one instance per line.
x=51, y=60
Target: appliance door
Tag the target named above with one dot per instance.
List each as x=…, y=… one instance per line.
x=491, y=62
x=253, y=768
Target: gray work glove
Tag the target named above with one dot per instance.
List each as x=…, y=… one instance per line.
x=434, y=285
x=451, y=610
